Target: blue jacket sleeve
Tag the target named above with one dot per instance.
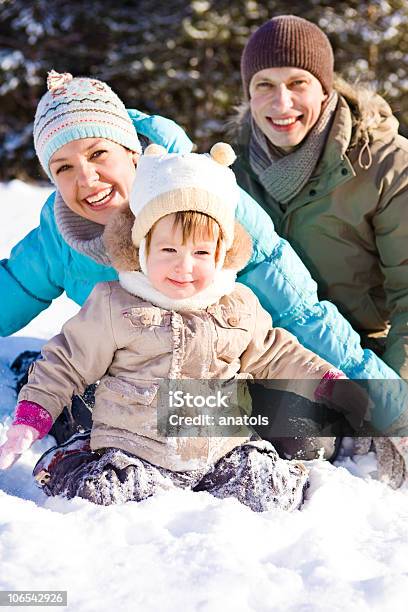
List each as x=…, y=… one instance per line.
x=32, y=276
x=161, y=131
x=287, y=291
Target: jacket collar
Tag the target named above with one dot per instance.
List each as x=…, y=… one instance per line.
x=339, y=138
x=79, y=233
x=139, y=284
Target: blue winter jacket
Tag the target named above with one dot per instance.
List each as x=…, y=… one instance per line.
x=42, y=266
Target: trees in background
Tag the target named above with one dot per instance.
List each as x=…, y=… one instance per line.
x=176, y=58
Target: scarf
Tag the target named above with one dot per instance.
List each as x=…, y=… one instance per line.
x=284, y=175
x=139, y=284
x=81, y=234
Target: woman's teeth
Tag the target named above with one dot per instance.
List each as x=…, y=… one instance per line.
x=100, y=197
x=284, y=121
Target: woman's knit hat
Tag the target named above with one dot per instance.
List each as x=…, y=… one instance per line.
x=168, y=183
x=75, y=108
x=290, y=41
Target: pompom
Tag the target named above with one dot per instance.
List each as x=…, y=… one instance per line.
x=56, y=79
x=155, y=149
x=223, y=153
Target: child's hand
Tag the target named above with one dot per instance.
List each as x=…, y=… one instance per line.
x=19, y=439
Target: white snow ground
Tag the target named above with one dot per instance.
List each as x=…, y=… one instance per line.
x=347, y=549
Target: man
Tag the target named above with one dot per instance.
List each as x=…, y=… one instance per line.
x=325, y=160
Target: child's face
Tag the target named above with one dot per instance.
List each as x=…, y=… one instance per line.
x=180, y=270
x=94, y=176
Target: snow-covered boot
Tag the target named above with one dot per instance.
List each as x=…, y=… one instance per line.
x=392, y=457
x=78, y=445
x=256, y=475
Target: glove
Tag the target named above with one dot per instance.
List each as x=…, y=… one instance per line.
x=19, y=439
x=161, y=131
x=347, y=397
x=392, y=458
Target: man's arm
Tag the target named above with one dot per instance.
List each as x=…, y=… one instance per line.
x=286, y=290
x=391, y=233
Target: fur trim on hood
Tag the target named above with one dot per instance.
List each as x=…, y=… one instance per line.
x=117, y=238
x=124, y=256
x=369, y=110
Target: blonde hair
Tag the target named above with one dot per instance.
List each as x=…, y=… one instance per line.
x=193, y=225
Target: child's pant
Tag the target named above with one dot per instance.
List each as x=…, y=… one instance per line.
x=253, y=473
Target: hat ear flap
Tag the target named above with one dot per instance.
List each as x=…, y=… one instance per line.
x=240, y=251
x=117, y=238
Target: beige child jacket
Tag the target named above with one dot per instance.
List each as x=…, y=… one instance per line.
x=130, y=345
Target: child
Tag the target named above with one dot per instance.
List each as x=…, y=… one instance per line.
x=182, y=316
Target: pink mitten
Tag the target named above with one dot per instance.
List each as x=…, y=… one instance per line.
x=19, y=439
x=31, y=422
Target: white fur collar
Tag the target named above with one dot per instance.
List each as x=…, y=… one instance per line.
x=139, y=284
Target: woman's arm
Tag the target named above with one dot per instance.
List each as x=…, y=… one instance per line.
x=33, y=275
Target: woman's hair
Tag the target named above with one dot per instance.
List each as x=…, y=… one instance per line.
x=193, y=225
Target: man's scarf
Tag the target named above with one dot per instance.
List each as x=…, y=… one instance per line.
x=284, y=175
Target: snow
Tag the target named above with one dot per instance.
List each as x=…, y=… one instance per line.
x=347, y=549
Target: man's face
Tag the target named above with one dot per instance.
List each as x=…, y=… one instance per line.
x=285, y=104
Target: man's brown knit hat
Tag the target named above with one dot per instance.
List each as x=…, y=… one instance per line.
x=291, y=41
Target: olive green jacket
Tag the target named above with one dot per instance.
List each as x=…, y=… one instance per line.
x=349, y=223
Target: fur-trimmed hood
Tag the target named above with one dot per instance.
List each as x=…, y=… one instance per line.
x=370, y=112
x=124, y=255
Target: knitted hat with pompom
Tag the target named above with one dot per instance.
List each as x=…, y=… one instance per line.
x=75, y=108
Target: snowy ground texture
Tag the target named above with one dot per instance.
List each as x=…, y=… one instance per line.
x=347, y=549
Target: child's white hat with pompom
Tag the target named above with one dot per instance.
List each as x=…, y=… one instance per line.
x=166, y=183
